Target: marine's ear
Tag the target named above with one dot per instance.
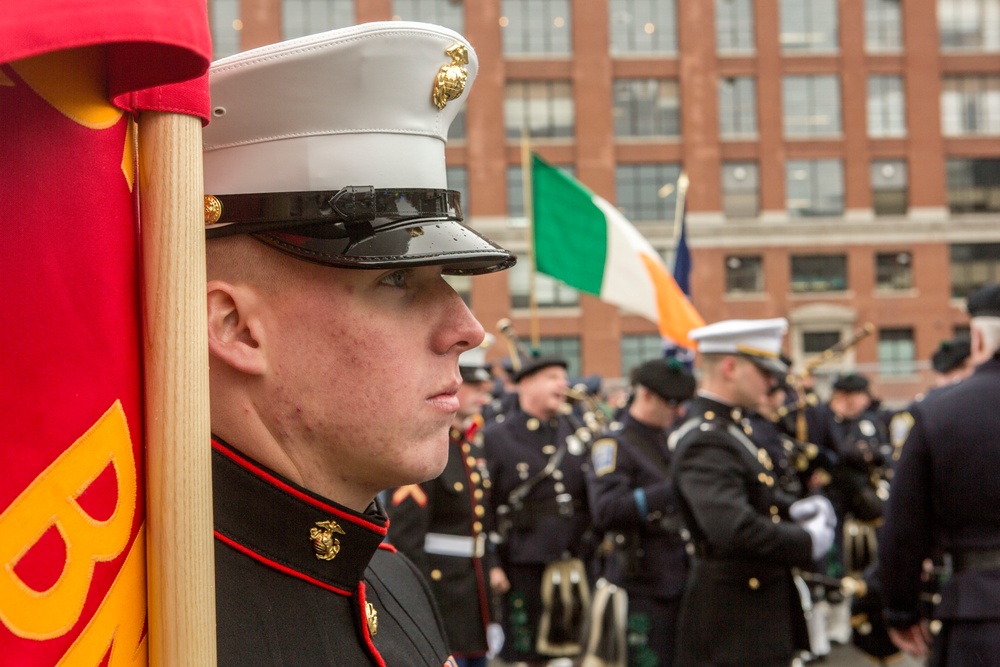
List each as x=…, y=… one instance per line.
x=235, y=331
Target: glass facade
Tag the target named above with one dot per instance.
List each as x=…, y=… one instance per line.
x=814, y=188
x=883, y=26
x=970, y=105
x=973, y=185
x=642, y=26
x=307, y=17
x=734, y=26
x=740, y=190
x=897, y=353
x=809, y=26
x=647, y=192
x=738, y=107
x=533, y=27
x=744, y=274
x=647, y=108
x=440, y=12
x=886, y=106
x=811, y=105
x=893, y=270
x=889, y=187
x=972, y=266
x=544, y=108
x=819, y=273
x=969, y=25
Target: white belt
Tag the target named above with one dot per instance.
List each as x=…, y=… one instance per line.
x=455, y=545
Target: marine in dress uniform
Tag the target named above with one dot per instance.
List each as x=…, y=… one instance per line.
x=439, y=524
x=946, y=500
x=536, y=459
x=333, y=337
x=741, y=606
x=632, y=496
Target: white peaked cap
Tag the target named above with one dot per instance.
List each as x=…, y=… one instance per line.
x=344, y=107
x=758, y=339
x=331, y=148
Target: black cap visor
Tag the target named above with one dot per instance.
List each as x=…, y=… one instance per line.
x=364, y=228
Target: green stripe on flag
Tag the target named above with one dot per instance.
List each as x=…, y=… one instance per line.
x=571, y=236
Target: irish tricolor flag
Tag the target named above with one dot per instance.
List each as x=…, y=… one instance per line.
x=584, y=241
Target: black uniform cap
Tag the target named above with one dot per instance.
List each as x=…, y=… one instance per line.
x=951, y=354
x=851, y=383
x=666, y=378
x=535, y=364
x=985, y=301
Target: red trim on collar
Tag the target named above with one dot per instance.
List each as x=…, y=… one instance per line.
x=388, y=547
x=278, y=566
x=362, y=607
x=263, y=474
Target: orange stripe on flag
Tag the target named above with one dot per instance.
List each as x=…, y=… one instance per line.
x=677, y=316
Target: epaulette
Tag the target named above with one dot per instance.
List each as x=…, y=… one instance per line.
x=707, y=421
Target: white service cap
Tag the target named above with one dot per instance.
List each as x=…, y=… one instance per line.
x=759, y=340
x=332, y=148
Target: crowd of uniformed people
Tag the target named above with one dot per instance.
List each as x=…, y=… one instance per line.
x=717, y=514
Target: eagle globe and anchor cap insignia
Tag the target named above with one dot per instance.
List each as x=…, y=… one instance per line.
x=451, y=78
x=324, y=543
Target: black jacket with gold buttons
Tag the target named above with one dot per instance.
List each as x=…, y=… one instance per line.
x=439, y=524
x=301, y=580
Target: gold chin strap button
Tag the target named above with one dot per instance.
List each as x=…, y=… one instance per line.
x=753, y=583
x=436, y=575
x=213, y=209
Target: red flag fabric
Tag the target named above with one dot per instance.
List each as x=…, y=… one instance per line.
x=72, y=551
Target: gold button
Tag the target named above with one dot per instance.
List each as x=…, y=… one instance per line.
x=480, y=511
x=549, y=449
x=474, y=477
x=486, y=484
x=466, y=448
x=477, y=526
x=775, y=519
x=754, y=583
x=459, y=486
x=470, y=461
x=478, y=494
x=709, y=414
x=533, y=424
x=436, y=575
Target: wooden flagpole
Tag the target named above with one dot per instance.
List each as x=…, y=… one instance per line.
x=682, y=188
x=526, y=190
x=180, y=556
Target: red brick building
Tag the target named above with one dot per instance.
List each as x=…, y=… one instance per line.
x=843, y=156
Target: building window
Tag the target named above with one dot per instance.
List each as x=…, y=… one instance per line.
x=738, y=107
x=740, y=190
x=647, y=108
x=819, y=273
x=889, y=187
x=969, y=25
x=545, y=108
x=642, y=193
x=893, y=271
x=814, y=188
x=972, y=266
x=639, y=348
x=226, y=26
x=643, y=26
x=449, y=14
x=973, y=185
x=744, y=274
x=307, y=17
x=456, y=131
x=458, y=179
x=970, y=105
x=818, y=342
x=565, y=347
x=897, y=355
x=549, y=292
x=734, y=26
x=809, y=26
x=811, y=105
x=883, y=25
x=886, y=106
x=536, y=27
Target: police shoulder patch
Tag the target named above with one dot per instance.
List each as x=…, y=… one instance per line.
x=603, y=456
x=899, y=428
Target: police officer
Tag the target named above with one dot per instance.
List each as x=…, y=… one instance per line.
x=632, y=495
x=333, y=337
x=946, y=499
x=536, y=459
x=439, y=524
x=741, y=606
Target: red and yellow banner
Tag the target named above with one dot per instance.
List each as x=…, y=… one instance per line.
x=72, y=549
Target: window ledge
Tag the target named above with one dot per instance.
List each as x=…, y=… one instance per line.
x=890, y=293
x=746, y=296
